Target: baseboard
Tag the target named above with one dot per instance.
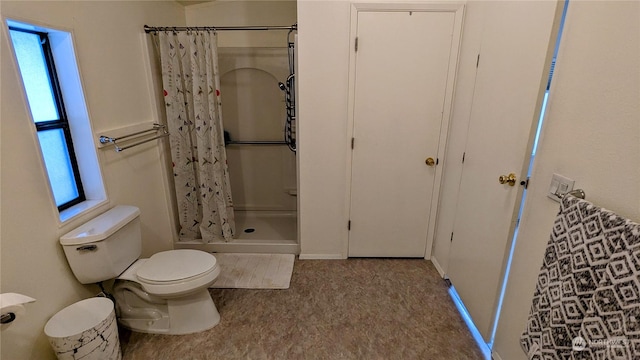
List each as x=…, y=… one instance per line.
x=321, y=257
x=438, y=267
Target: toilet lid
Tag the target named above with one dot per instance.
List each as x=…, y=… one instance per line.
x=175, y=265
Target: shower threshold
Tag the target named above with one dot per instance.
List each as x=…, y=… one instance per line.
x=272, y=232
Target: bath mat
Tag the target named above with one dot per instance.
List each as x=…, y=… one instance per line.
x=254, y=271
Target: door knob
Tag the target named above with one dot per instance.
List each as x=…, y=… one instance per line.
x=430, y=161
x=508, y=179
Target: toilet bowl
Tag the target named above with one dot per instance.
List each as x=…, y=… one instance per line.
x=167, y=293
x=164, y=294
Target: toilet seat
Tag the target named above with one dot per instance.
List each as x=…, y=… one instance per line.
x=173, y=273
x=170, y=282
x=168, y=267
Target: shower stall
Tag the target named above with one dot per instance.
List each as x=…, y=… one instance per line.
x=257, y=91
x=258, y=102
x=255, y=128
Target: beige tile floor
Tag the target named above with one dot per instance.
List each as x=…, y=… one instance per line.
x=334, y=309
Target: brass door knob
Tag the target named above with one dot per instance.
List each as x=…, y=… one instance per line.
x=430, y=161
x=508, y=179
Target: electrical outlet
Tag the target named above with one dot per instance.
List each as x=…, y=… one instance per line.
x=560, y=185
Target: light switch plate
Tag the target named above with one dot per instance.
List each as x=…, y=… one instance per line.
x=560, y=185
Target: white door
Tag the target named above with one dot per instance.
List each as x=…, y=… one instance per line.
x=401, y=75
x=509, y=84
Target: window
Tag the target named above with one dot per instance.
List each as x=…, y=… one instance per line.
x=36, y=64
x=46, y=61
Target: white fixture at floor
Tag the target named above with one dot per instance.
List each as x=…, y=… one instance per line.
x=165, y=294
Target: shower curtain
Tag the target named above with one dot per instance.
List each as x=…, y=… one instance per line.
x=191, y=85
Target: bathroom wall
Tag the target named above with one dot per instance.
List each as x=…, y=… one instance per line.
x=245, y=13
x=252, y=63
x=323, y=80
x=113, y=55
x=592, y=135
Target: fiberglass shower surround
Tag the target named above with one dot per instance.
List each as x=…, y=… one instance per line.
x=288, y=86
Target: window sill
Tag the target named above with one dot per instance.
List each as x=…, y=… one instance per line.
x=76, y=211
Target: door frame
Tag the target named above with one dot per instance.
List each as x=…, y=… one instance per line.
x=457, y=8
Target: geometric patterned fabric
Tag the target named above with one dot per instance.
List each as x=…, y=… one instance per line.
x=193, y=104
x=587, y=299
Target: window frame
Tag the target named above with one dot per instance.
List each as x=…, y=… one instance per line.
x=62, y=122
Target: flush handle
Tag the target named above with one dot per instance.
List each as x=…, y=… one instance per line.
x=7, y=318
x=87, y=248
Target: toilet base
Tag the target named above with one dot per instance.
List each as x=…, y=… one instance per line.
x=177, y=316
x=192, y=314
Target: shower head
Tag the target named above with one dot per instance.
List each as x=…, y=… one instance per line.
x=282, y=86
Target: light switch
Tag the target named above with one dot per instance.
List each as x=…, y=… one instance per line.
x=560, y=185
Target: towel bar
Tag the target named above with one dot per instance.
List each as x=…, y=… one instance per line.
x=579, y=193
x=113, y=140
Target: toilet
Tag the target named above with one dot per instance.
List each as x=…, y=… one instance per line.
x=164, y=294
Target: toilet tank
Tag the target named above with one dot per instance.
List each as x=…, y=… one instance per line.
x=105, y=246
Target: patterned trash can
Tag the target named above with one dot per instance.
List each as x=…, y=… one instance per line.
x=85, y=330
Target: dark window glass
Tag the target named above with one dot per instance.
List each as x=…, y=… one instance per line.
x=45, y=102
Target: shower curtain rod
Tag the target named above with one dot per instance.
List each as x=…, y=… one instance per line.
x=149, y=29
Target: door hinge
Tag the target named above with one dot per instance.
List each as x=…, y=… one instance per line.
x=356, y=45
x=451, y=240
x=478, y=61
x=525, y=182
x=463, y=155
x=353, y=140
x=349, y=225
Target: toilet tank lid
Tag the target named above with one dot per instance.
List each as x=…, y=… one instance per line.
x=101, y=227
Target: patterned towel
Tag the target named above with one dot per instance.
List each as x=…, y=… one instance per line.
x=587, y=299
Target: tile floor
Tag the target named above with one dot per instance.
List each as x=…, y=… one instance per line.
x=334, y=309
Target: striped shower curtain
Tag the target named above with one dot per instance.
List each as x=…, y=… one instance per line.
x=191, y=85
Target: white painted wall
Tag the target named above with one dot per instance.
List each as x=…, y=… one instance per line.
x=592, y=135
x=245, y=13
x=323, y=80
x=114, y=60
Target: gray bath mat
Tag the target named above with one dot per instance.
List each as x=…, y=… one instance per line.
x=254, y=271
